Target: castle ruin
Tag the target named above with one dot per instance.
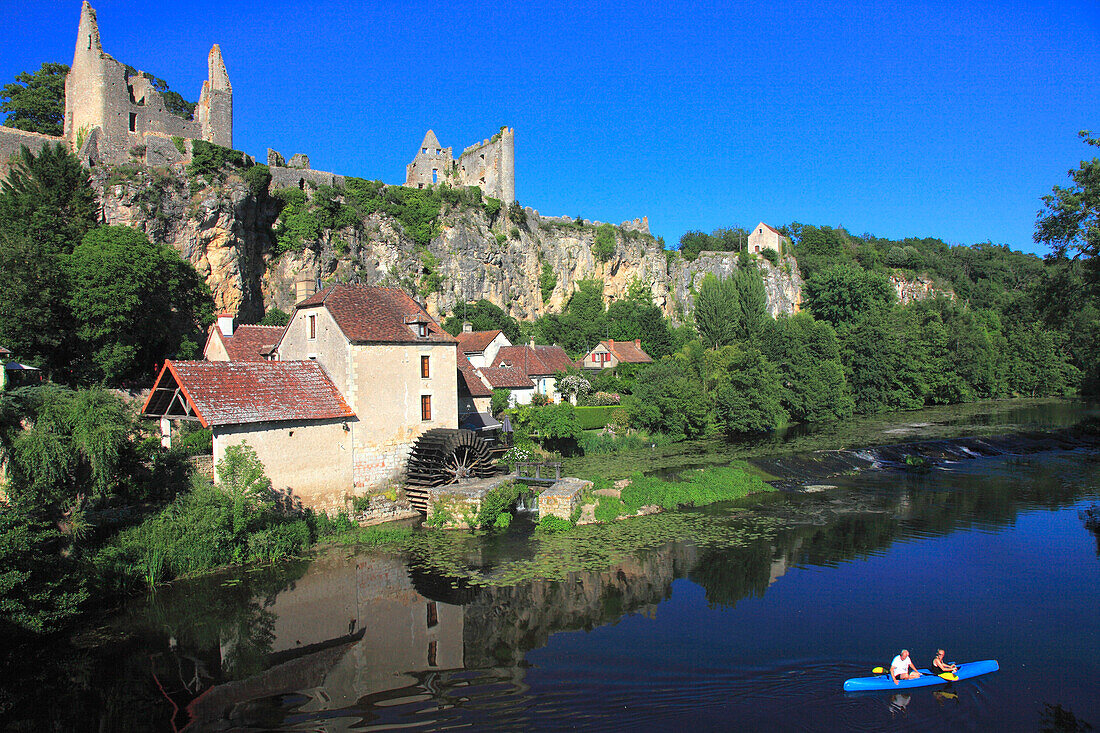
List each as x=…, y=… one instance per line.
x=113, y=115
x=490, y=165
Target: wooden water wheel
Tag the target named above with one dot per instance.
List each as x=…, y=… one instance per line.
x=444, y=456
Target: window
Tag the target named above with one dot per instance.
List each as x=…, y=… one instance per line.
x=133, y=122
x=425, y=367
x=424, y=150
x=425, y=407
x=422, y=330
x=313, y=327
x=433, y=646
x=435, y=175
x=433, y=614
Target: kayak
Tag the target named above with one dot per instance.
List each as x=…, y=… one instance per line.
x=883, y=681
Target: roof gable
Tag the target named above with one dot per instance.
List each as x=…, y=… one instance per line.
x=248, y=343
x=474, y=342
x=627, y=351
x=241, y=392
x=539, y=360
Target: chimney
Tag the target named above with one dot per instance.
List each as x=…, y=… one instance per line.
x=467, y=327
x=225, y=324
x=638, y=343
x=532, y=342
x=303, y=289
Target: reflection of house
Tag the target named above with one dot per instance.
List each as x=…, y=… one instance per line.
x=539, y=364
x=245, y=343
x=362, y=373
x=766, y=237
x=611, y=353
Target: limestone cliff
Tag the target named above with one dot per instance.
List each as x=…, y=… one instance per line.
x=226, y=232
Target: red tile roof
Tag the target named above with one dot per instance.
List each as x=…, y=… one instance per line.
x=627, y=351
x=475, y=341
x=537, y=361
x=369, y=314
x=507, y=378
x=771, y=228
x=248, y=343
x=467, y=376
x=241, y=392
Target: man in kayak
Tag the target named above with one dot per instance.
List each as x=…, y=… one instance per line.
x=940, y=667
x=899, y=668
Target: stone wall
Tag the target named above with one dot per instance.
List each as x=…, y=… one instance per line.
x=12, y=141
x=489, y=164
x=306, y=460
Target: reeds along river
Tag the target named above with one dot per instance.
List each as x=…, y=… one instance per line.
x=715, y=618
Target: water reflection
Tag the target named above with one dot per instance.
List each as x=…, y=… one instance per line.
x=359, y=639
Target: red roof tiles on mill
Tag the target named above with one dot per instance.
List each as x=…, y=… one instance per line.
x=506, y=378
x=367, y=314
x=240, y=392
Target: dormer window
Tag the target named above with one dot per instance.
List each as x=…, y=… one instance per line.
x=422, y=330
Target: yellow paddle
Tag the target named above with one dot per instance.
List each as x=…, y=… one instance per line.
x=949, y=676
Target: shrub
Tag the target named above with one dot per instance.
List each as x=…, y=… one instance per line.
x=440, y=516
x=258, y=178
x=194, y=441
x=550, y=524
x=501, y=399
x=517, y=454
x=279, y=542
x=604, y=245
x=593, y=418
x=548, y=280
x=492, y=209
x=538, y=399
x=181, y=146
x=514, y=232
x=598, y=399
x=771, y=256
x=496, y=502
x=609, y=509
x=209, y=161
x=517, y=214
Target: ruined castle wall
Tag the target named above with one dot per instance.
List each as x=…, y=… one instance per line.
x=12, y=141
x=491, y=165
x=298, y=177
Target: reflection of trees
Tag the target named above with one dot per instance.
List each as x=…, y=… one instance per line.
x=1091, y=517
x=728, y=575
x=1056, y=719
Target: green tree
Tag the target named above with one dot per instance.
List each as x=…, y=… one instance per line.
x=749, y=400
x=842, y=293
x=753, y=300
x=46, y=206
x=807, y=356
x=483, y=316
x=669, y=401
x=1070, y=218
x=275, y=316
x=604, y=244
x=36, y=102
x=718, y=313
x=136, y=302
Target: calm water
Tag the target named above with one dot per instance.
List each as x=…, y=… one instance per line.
x=749, y=619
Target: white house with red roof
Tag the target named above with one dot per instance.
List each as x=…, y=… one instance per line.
x=765, y=237
x=381, y=373
x=611, y=353
x=481, y=347
x=538, y=363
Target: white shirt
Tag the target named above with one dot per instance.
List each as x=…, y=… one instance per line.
x=899, y=665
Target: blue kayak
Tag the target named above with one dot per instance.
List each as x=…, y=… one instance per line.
x=883, y=681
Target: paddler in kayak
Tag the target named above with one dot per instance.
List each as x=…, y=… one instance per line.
x=899, y=668
x=940, y=667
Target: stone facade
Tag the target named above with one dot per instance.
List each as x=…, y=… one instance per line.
x=765, y=237
x=563, y=498
x=382, y=384
x=307, y=458
x=489, y=165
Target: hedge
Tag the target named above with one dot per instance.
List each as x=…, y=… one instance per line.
x=594, y=418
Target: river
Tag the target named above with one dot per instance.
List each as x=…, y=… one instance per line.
x=723, y=617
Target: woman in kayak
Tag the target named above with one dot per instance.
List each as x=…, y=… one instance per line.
x=900, y=666
x=941, y=667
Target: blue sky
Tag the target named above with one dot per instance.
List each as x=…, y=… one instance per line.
x=946, y=119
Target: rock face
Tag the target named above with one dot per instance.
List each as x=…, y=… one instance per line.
x=226, y=232
x=917, y=288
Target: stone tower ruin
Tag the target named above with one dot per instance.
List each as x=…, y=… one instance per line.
x=489, y=164
x=109, y=112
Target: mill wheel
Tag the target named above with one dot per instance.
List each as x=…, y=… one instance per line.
x=445, y=455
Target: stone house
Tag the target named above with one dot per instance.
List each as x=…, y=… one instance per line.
x=539, y=364
x=290, y=412
x=243, y=343
x=391, y=367
x=766, y=237
x=611, y=353
x=481, y=347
